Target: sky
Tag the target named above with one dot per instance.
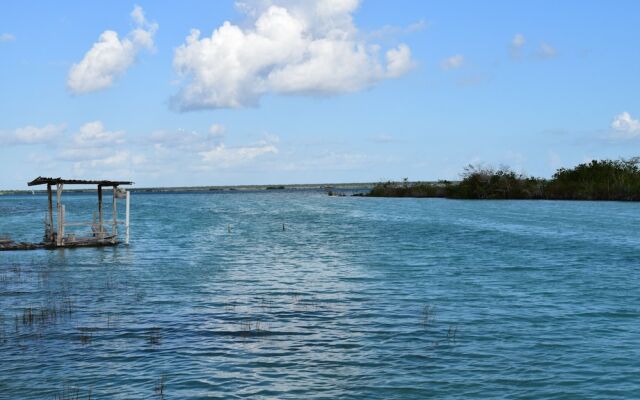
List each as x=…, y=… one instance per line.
x=283, y=91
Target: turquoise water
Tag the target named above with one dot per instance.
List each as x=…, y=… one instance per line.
x=355, y=298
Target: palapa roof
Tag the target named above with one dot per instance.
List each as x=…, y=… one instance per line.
x=53, y=181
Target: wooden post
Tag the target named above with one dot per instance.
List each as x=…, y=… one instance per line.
x=59, y=217
x=126, y=221
x=115, y=215
x=50, y=216
x=100, y=218
x=64, y=216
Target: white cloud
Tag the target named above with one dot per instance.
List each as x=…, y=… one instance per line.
x=7, y=37
x=117, y=159
x=382, y=138
x=452, y=62
x=95, y=151
x=298, y=48
x=222, y=156
x=138, y=15
x=81, y=153
x=518, y=40
x=32, y=134
x=92, y=142
x=399, y=61
x=188, y=141
x=216, y=131
x=119, y=164
x=390, y=30
x=93, y=134
x=516, y=45
x=547, y=51
x=625, y=126
x=111, y=56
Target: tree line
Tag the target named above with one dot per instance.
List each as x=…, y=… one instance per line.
x=596, y=180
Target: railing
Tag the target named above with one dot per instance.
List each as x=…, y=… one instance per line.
x=97, y=230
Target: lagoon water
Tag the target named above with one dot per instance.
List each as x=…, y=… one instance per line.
x=356, y=298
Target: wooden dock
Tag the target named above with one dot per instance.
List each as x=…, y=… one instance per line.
x=55, y=235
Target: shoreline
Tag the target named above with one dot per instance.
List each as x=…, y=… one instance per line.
x=217, y=188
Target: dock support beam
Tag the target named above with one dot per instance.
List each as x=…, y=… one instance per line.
x=126, y=220
x=50, y=215
x=100, y=217
x=115, y=215
x=60, y=217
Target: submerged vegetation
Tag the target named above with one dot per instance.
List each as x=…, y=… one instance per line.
x=597, y=180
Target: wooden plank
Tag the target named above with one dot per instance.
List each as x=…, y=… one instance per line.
x=50, y=216
x=114, y=231
x=100, y=217
x=126, y=220
x=59, y=233
x=42, y=181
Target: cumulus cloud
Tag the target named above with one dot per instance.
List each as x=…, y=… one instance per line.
x=516, y=45
x=547, y=51
x=117, y=159
x=188, y=141
x=120, y=164
x=111, y=56
x=32, y=134
x=7, y=37
x=453, y=62
x=207, y=150
x=96, y=151
x=223, y=156
x=625, y=126
x=204, y=151
x=292, y=48
x=391, y=30
x=94, y=134
x=216, y=130
x=91, y=142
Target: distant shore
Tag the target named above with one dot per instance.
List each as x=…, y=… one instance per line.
x=597, y=180
x=202, y=189
x=617, y=180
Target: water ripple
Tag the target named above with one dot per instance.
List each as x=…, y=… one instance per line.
x=355, y=298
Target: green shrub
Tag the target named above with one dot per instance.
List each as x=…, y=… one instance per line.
x=597, y=180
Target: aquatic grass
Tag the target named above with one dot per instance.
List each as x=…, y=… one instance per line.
x=251, y=327
x=3, y=333
x=265, y=303
x=452, y=332
x=109, y=320
x=13, y=274
x=72, y=393
x=16, y=270
x=139, y=296
x=308, y=304
x=159, y=387
x=154, y=336
x=428, y=316
x=85, y=335
x=48, y=314
x=230, y=305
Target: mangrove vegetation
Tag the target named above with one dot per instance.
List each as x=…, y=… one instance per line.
x=596, y=180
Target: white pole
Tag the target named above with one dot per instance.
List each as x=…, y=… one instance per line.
x=59, y=232
x=64, y=212
x=126, y=223
x=114, y=232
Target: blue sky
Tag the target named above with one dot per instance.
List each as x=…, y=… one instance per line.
x=310, y=92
